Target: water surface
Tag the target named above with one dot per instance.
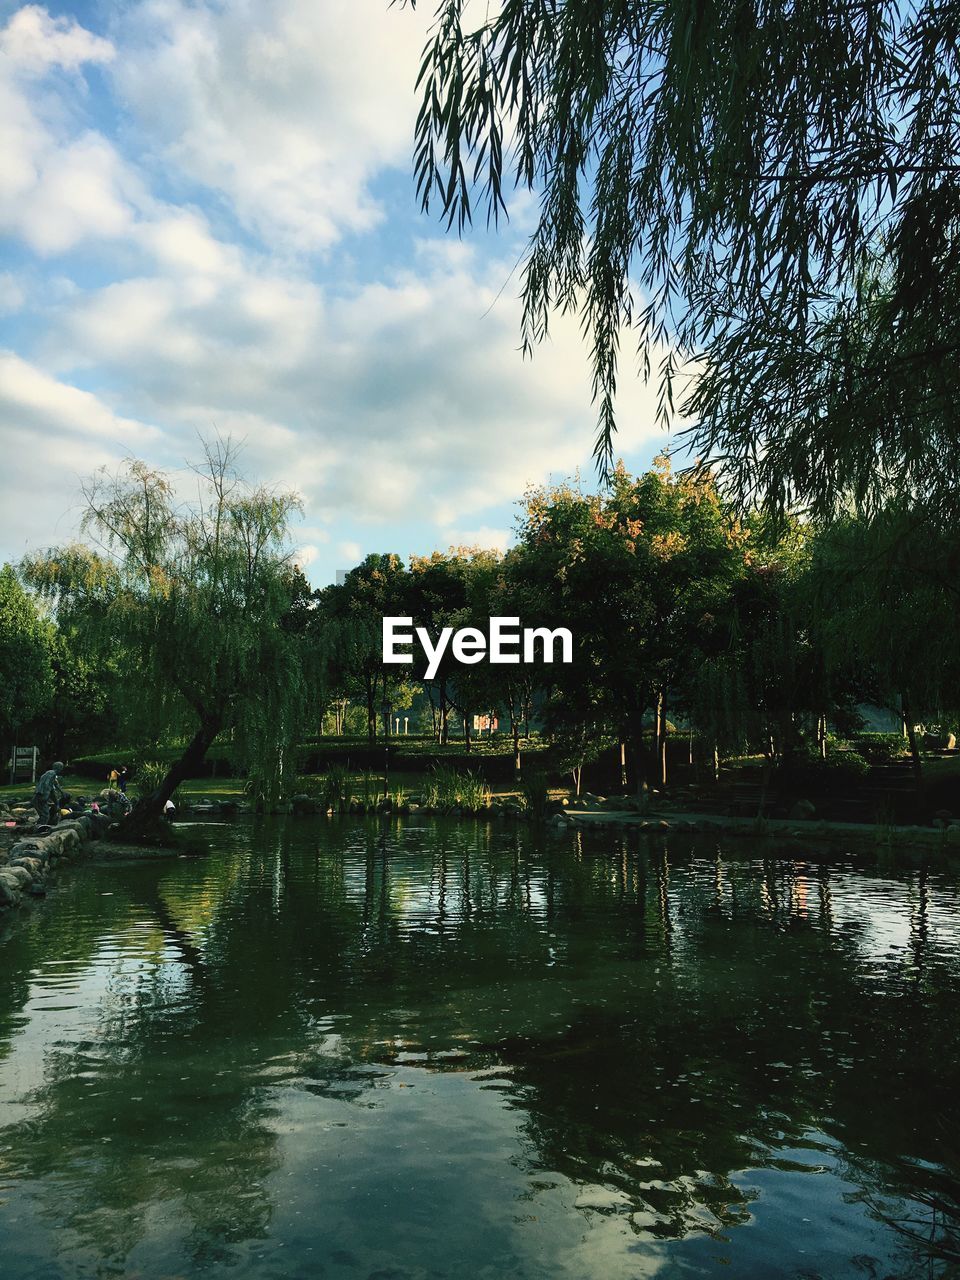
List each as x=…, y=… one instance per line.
x=408, y=1050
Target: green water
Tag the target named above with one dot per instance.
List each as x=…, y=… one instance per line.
x=344, y=1049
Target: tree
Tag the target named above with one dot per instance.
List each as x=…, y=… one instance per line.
x=768, y=196
x=199, y=605
x=451, y=589
x=349, y=624
x=888, y=589
x=26, y=675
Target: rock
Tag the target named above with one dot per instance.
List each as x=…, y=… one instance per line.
x=19, y=875
x=69, y=841
x=26, y=848
x=9, y=891
x=33, y=865
x=802, y=811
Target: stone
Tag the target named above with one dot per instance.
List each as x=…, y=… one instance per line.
x=26, y=848
x=19, y=875
x=802, y=811
x=33, y=865
x=9, y=891
x=69, y=841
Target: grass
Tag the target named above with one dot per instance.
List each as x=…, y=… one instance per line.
x=71, y=782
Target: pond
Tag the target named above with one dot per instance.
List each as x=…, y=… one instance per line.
x=400, y=1050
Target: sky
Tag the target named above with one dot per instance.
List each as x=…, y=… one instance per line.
x=208, y=224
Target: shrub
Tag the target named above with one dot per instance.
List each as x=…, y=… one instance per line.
x=334, y=786
x=806, y=770
x=535, y=795
x=149, y=775
x=880, y=748
x=446, y=786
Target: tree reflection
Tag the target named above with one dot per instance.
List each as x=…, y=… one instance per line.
x=660, y=1017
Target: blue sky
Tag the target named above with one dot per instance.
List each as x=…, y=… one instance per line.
x=208, y=223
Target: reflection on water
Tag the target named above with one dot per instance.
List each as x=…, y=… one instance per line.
x=429, y=1050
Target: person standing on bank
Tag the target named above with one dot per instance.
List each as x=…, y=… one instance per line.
x=46, y=798
x=122, y=779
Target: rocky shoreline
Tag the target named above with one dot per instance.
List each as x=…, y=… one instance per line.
x=30, y=853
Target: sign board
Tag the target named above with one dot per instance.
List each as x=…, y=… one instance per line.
x=23, y=764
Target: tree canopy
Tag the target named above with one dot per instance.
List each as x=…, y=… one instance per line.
x=197, y=603
x=26, y=673
x=766, y=194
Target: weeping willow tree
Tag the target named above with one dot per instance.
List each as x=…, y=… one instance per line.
x=887, y=591
x=764, y=196
x=197, y=603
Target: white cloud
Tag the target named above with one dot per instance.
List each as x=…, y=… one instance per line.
x=33, y=41
x=306, y=554
x=400, y=401
x=287, y=107
x=51, y=436
x=59, y=183
x=404, y=400
x=30, y=398
x=485, y=538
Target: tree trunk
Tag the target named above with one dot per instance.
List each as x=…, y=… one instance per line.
x=914, y=747
x=662, y=737
x=640, y=761
x=433, y=714
x=149, y=808
x=371, y=712
x=822, y=736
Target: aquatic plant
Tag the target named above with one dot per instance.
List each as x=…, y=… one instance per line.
x=535, y=795
x=447, y=786
x=334, y=786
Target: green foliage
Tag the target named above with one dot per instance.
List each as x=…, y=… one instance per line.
x=840, y=769
x=880, y=748
x=26, y=673
x=447, y=787
x=370, y=792
x=148, y=775
x=535, y=795
x=740, y=190
x=187, y=601
x=334, y=788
